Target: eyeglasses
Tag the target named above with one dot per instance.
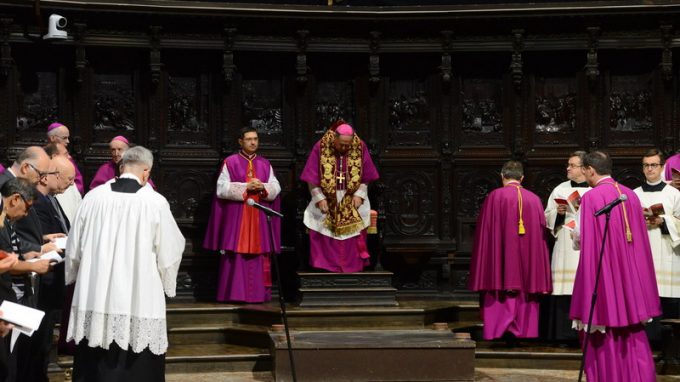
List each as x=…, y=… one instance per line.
x=40, y=173
x=63, y=137
x=651, y=165
x=571, y=165
x=26, y=202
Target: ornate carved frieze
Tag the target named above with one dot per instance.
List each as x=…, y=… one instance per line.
x=409, y=114
x=667, y=53
x=410, y=203
x=228, y=66
x=334, y=100
x=301, y=59
x=374, y=58
x=155, y=64
x=81, y=54
x=6, y=60
x=114, y=103
x=592, y=66
x=262, y=108
x=516, y=70
x=446, y=67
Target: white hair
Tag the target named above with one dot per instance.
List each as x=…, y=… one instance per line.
x=136, y=156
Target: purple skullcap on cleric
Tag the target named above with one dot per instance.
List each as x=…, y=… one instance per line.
x=53, y=126
x=344, y=129
x=120, y=138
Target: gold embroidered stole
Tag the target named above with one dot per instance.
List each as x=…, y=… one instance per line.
x=342, y=218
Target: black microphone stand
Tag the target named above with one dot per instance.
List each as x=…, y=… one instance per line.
x=594, y=298
x=282, y=303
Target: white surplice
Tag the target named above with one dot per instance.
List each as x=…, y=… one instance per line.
x=665, y=248
x=70, y=201
x=564, y=256
x=124, y=251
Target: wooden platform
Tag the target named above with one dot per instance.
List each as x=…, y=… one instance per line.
x=346, y=289
x=374, y=355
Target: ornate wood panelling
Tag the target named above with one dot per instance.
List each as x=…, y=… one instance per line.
x=440, y=109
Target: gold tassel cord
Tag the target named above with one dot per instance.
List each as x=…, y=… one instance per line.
x=629, y=234
x=521, y=229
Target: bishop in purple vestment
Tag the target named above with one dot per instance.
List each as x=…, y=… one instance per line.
x=239, y=231
x=109, y=170
x=627, y=296
x=510, y=266
x=59, y=133
x=338, y=172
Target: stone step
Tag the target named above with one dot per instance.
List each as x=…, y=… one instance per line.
x=204, y=358
x=347, y=289
x=200, y=314
x=235, y=334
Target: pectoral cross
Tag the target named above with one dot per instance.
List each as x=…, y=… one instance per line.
x=340, y=178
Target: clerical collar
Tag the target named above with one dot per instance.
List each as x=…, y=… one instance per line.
x=653, y=187
x=601, y=181
x=514, y=183
x=247, y=156
x=577, y=184
x=128, y=175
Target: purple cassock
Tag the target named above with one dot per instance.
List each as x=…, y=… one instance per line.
x=243, y=277
x=504, y=260
x=80, y=184
x=341, y=255
x=672, y=162
x=106, y=172
x=627, y=294
x=2, y=169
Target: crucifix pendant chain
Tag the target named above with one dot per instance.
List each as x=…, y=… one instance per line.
x=341, y=174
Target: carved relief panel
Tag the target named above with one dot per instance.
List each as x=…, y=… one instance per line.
x=410, y=114
x=410, y=203
x=555, y=110
x=481, y=104
x=262, y=108
x=334, y=100
x=114, y=107
x=188, y=109
x=37, y=105
x=189, y=192
x=629, y=110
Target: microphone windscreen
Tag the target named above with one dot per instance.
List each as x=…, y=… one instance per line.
x=623, y=197
x=251, y=202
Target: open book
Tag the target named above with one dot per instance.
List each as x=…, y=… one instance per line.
x=573, y=201
x=654, y=210
x=25, y=320
x=52, y=256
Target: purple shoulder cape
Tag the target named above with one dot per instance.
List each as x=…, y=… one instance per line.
x=627, y=293
x=225, y=216
x=502, y=259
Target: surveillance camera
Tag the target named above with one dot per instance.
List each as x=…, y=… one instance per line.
x=55, y=28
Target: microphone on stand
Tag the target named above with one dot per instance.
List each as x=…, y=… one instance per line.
x=266, y=210
x=612, y=204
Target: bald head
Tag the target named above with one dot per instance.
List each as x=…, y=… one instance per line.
x=66, y=174
x=56, y=149
x=32, y=164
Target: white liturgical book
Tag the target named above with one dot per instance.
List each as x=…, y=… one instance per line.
x=25, y=320
x=52, y=256
x=60, y=242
